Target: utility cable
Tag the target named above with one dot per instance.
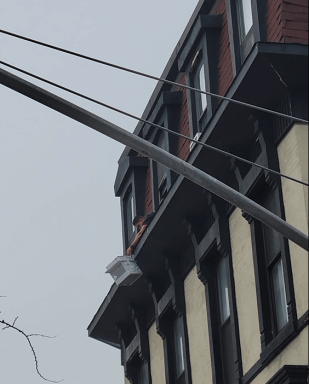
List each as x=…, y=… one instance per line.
x=154, y=77
x=154, y=125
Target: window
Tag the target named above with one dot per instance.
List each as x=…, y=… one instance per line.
x=279, y=295
x=224, y=323
x=200, y=83
x=179, y=350
x=161, y=174
x=161, y=169
x=129, y=213
x=270, y=247
x=244, y=9
x=222, y=317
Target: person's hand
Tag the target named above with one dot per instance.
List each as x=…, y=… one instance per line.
x=129, y=251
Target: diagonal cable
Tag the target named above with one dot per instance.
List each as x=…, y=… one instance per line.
x=153, y=77
x=153, y=124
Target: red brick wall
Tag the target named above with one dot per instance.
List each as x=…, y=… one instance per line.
x=287, y=21
x=225, y=68
x=183, y=144
x=148, y=197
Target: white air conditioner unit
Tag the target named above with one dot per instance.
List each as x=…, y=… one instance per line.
x=124, y=270
x=196, y=137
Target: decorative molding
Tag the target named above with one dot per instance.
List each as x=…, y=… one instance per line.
x=291, y=374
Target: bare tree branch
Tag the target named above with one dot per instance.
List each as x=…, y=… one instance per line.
x=7, y=325
x=38, y=334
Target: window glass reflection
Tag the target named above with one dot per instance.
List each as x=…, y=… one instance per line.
x=279, y=295
x=200, y=83
x=245, y=14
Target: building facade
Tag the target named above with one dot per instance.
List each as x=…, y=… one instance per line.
x=223, y=298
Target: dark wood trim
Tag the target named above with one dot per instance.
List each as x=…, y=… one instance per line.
x=241, y=49
x=202, y=25
x=167, y=100
x=135, y=351
x=209, y=251
x=202, y=46
x=234, y=35
x=125, y=167
x=259, y=366
x=167, y=306
x=290, y=374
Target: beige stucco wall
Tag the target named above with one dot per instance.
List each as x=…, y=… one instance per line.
x=245, y=290
x=126, y=381
x=197, y=329
x=296, y=353
x=293, y=159
x=156, y=356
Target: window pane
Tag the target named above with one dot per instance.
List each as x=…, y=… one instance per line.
x=224, y=306
x=271, y=237
x=246, y=16
x=130, y=214
x=201, y=84
x=178, y=340
x=279, y=295
x=161, y=169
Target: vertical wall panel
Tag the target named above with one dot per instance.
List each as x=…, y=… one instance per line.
x=156, y=356
x=245, y=289
x=197, y=329
x=293, y=159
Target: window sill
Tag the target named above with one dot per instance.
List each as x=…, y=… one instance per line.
x=279, y=342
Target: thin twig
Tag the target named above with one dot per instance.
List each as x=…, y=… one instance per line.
x=38, y=334
x=7, y=325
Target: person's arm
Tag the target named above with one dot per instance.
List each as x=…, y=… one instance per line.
x=136, y=240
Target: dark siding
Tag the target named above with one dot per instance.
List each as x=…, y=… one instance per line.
x=225, y=68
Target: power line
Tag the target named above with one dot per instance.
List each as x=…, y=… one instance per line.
x=154, y=77
x=153, y=124
x=138, y=144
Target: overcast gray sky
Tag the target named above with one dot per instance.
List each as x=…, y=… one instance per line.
x=59, y=219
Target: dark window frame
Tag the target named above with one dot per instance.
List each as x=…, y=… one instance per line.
x=198, y=115
x=272, y=339
x=132, y=174
x=167, y=114
x=137, y=370
x=161, y=187
x=129, y=205
x=242, y=45
x=208, y=266
x=203, y=47
x=135, y=353
x=167, y=331
x=198, y=64
x=290, y=374
x=212, y=245
x=169, y=302
x=241, y=20
x=161, y=174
